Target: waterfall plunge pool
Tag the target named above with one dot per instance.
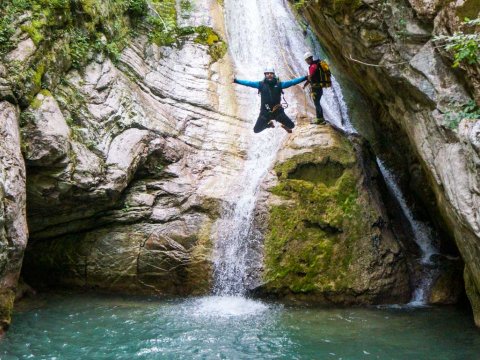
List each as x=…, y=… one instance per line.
x=87, y=326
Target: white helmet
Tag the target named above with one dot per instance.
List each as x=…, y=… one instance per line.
x=269, y=69
x=307, y=55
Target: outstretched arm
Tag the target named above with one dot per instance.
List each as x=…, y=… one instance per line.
x=252, y=84
x=287, y=84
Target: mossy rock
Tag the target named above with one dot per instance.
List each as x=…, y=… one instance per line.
x=207, y=36
x=7, y=298
x=322, y=244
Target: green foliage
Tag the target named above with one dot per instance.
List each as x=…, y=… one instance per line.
x=79, y=47
x=138, y=8
x=186, y=6
x=465, y=46
x=301, y=4
x=218, y=50
x=207, y=36
x=164, y=31
x=6, y=32
x=401, y=28
x=469, y=110
x=333, y=6
x=34, y=30
x=163, y=23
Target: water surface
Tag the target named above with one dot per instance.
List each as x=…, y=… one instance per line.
x=104, y=327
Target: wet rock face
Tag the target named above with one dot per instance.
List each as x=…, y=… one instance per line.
x=328, y=238
x=13, y=225
x=412, y=91
x=123, y=162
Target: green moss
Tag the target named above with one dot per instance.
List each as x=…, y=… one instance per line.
x=207, y=36
x=334, y=7
x=37, y=75
x=344, y=155
x=34, y=30
x=7, y=298
x=45, y=92
x=35, y=104
x=218, y=51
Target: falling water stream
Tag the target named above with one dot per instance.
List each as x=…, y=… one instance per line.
x=422, y=235
x=276, y=39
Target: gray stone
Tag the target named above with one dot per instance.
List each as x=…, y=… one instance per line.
x=13, y=224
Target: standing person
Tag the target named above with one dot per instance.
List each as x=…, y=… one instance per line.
x=271, y=90
x=319, y=77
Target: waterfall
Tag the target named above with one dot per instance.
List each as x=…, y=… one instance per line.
x=262, y=32
x=422, y=236
x=259, y=32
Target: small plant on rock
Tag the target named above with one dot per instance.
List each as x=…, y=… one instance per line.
x=469, y=110
x=465, y=46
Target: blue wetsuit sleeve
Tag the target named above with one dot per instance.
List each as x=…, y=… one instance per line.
x=287, y=84
x=252, y=84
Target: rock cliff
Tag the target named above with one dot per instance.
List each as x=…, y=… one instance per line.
x=13, y=224
x=387, y=48
x=125, y=119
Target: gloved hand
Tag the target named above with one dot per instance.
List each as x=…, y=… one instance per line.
x=234, y=79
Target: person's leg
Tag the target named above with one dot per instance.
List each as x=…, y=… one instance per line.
x=283, y=119
x=262, y=123
x=317, y=96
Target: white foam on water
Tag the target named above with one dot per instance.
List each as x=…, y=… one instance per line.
x=227, y=306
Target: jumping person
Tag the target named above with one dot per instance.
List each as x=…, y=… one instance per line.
x=319, y=77
x=271, y=90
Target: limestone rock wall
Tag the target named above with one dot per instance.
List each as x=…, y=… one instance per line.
x=13, y=224
x=411, y=89
x=123, y=158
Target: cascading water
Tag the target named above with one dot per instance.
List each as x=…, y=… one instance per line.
x=260, y=32
x=422, y=235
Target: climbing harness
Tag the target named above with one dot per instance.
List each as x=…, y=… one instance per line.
x=282, y=105
x=277, y=107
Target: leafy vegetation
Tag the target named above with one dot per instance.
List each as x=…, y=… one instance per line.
x=469, y=110
x=217, y=47
x=465, y=46
x=69, y=33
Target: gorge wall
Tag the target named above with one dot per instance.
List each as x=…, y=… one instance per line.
x=126, y=138
x=387, y=49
